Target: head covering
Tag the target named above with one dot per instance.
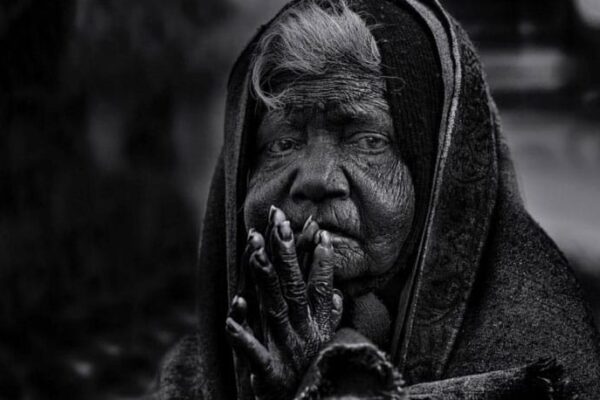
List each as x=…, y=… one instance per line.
x=487, y=289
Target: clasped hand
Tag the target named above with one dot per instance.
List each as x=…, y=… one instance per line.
x=298, y=315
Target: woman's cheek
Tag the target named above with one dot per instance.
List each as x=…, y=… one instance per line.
x=256, y=206
x=390, y=206
x=390, y=187
x=265, y=188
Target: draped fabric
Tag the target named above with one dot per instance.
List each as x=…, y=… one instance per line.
x=488, y=291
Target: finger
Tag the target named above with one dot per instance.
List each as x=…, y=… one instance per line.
x=337, y=309
x=274, y=305
x=302, y=239
x=320, y=281
x=306, y=239
x=243, y=280
x=276, y=216
x=247, y=346
x=239, y=310
x=305, y=245
x=288, y=270
x=247, y=287
x=255, y=241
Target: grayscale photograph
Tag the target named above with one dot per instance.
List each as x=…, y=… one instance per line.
x=300, y=200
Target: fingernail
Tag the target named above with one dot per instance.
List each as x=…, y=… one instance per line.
x=317, y=237
x=285, y=231
x=308, y=221
x=271, y=212
x=337, y=300
x=253, y=239
x=241, y=303
x=261, y=257
x=276, y=216
x=230, y=325
x=325, y=239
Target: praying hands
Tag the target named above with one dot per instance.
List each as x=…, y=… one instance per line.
x=300, y=315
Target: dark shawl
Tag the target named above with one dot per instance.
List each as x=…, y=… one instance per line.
x=489, y=291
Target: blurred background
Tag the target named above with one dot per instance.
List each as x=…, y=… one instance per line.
x=110, y=116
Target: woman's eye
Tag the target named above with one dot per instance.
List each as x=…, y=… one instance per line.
x=371, y=142
x=282, y=146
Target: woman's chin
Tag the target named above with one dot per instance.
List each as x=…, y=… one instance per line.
x=352, y=276
x=355, y=273
x=357, y=280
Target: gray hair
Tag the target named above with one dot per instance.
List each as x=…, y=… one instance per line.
x=312, y=41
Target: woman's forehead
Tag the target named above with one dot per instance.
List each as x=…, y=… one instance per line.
x=341, y=99
x=333, y=91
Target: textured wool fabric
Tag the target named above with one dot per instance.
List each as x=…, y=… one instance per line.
x=540, y=380
x=351, y=367
x=410, y=63
x=340, y=369
x=371, y=317
x=487, y=295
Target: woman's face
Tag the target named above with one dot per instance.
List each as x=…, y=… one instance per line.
x=331, y=154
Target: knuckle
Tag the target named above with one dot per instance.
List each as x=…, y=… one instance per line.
x=278, y=315
x=264, y=272
x=324, y=269
x=301, y=305
x=288, y=255
x=272, y=284
x=294, y=289
x=269, y=277
x=320, y=288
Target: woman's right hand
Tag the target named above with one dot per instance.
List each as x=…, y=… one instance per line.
x=299, y=316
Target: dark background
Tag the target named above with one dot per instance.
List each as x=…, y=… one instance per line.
x=110, y=118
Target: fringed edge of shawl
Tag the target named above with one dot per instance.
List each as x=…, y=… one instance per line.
x=363, y=355
x=548, y=377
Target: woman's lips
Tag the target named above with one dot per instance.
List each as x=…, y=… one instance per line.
x=337, y=231
x=339, y=238
x=348, y=251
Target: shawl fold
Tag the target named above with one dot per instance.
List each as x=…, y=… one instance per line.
x=351, y=366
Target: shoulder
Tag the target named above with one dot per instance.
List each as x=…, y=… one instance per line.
x=527, y=305
x=522, y=257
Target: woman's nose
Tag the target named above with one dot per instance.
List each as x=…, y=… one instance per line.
x=319, y=178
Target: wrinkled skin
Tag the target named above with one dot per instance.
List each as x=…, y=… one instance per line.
x=337, y=161
x=329, y=161
x=299, y=317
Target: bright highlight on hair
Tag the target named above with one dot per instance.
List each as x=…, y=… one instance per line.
x=310, y=42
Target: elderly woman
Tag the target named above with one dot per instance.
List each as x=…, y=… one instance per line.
x=364, y=236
